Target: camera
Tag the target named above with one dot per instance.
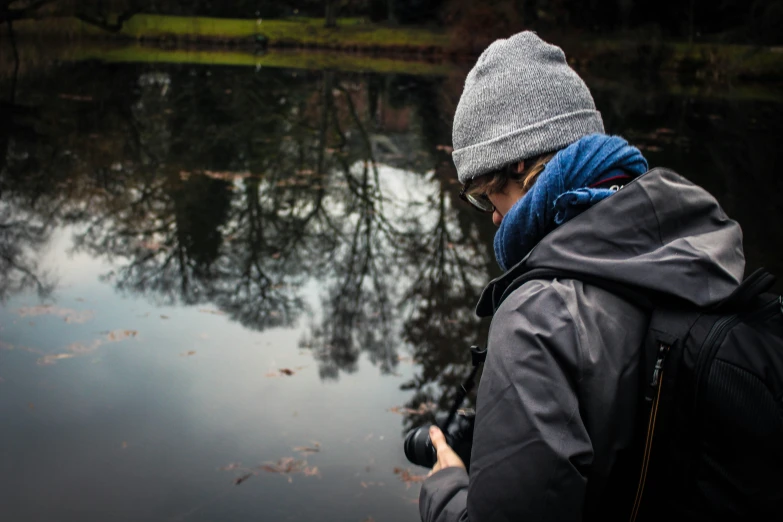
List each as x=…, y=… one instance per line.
x=459, y=435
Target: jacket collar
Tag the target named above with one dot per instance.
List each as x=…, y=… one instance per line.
x=493, y=294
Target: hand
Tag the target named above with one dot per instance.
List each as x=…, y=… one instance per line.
x=446, y=456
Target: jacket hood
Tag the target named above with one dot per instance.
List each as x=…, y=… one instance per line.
x=660, y=233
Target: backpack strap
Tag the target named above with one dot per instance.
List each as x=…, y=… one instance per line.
x=627, y=292
x=751, y=287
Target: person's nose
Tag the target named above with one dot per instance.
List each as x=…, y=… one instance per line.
x=496, y=218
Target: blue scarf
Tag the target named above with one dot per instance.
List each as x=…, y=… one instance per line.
x=561, y=192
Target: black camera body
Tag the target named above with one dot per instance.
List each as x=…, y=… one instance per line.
x=458, y=433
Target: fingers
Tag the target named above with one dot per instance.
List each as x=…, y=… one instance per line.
x=446, y=456
x=437, y=438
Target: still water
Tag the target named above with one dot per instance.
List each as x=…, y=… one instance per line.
x=228, y=292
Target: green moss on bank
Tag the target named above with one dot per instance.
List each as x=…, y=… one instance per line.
x=291, y=59
x=701, y=60
x=298, y=31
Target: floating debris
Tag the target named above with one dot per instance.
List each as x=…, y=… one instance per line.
x=305, y=450
x=68, y=314
x=239, y=480
x=78, y=349
x=424, y=408
x=407, y=477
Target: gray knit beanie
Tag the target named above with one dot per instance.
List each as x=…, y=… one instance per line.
x=521, y=99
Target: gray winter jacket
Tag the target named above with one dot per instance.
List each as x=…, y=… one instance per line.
x=557, y=398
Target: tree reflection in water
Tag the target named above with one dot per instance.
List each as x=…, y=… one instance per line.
x=240, y=189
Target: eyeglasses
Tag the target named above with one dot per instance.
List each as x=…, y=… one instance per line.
x=480, y=202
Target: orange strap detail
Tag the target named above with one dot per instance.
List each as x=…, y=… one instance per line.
x=647, y=450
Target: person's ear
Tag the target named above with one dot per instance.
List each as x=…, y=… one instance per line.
x=520, y=167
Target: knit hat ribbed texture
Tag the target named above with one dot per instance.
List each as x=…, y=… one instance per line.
x=521, y=99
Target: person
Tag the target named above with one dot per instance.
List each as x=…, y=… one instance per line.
x=557, y=399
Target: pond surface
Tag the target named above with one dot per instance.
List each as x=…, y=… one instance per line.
x=228, y=292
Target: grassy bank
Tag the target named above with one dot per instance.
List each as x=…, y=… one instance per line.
x=700, y=60
x=288, y=58
x=297, y=32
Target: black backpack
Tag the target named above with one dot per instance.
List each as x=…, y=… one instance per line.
x=709, y=437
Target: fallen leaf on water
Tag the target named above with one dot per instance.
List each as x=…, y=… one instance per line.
x=233, y=465
x=286, y=371
x=424, y=407
x=2, y=380
x=120, y=335
x=304, y=450
x=213, y=312
x=68, y=314
x=407, y=477
x=368, y=519
x=288, y=466
x=239, y=480
x=31, y=405
x=188, y=354
x=164, y=316
x=47, y=360
x=78, y=349
x=124, y=445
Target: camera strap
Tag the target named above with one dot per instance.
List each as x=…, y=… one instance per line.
x=477, y=356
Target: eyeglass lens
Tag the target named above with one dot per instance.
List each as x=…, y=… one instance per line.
x=481, y=202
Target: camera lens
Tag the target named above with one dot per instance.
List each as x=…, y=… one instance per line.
x=418, y=447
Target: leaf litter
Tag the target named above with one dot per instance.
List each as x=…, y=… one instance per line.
x=284, y=371
x=305, y=450
x=78, y=349
x=286, y=466
x=407, y=477
x=424, y=407
x=68, y=314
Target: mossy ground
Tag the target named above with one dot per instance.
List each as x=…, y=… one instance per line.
x=292, y=59
x=700, y=60
x=350, y=32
